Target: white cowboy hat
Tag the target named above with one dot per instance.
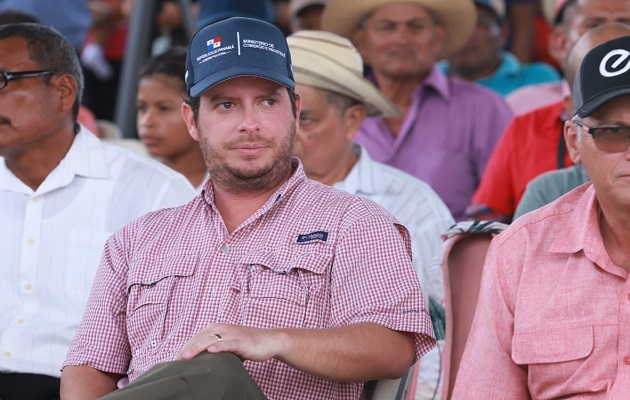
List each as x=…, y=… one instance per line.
x=457, y=16
x=330, y=62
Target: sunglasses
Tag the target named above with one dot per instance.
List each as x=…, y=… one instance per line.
x=610, y=139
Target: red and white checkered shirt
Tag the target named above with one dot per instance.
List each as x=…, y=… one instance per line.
x=312, y=257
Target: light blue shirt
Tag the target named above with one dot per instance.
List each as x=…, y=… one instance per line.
x=512, y=75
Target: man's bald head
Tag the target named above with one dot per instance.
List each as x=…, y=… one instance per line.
x=588, y=41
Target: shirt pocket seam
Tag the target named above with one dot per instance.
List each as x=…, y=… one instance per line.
x=553, y=346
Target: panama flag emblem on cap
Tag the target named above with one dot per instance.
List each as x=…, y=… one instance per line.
x=214, y=43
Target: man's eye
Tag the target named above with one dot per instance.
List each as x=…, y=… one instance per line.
x=225, y=106
x=269, y=102
x=613, y=131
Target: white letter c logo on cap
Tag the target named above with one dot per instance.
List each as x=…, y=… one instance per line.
x=623, y=56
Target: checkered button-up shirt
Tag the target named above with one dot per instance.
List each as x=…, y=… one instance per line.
x=311, y=257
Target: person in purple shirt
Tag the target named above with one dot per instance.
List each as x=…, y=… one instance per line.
x=449, y=127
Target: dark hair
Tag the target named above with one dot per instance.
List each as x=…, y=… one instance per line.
x=51, y=51
x=193, y=102
x=338, y=101
x=170, y=63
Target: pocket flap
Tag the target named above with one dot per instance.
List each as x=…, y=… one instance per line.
x=149, y=271
x=560, y=345
x=285, y=262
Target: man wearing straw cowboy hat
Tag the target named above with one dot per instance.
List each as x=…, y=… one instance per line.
x=313, y=289
x=448, y=127
x=335, y=100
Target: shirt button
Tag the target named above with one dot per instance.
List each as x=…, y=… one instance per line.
x=153, y=343
x=225, y=249
x=28, y=286
x=20, y=321
x=31, y=241
x=7, y=354
x=137, y=351
x=35, y=200
x=626, y=360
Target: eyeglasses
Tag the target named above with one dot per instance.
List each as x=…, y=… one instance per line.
x=5, y=77
x=611, y=139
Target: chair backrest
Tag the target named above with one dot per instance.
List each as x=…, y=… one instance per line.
x=462, y=266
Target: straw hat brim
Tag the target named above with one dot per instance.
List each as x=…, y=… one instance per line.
x=457, y=16
x=329, y=75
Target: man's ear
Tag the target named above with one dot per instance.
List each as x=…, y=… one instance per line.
x=353, y=119
x=68, y=87
x=189, y=119
x=572, y=140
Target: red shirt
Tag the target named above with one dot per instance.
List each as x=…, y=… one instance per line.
x=312, y=257
x=528, y=147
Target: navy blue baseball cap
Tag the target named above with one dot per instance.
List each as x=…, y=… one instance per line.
x=237, y=47
x=604, y=75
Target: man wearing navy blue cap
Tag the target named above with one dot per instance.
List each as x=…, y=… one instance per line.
x=312, y=288
x=552, y=316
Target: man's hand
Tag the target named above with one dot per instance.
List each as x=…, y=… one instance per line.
x=352, y=353
x=247, y=343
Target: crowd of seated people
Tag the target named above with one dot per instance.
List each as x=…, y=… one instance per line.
x=288, y=192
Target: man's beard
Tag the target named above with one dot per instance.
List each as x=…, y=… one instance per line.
x=241, y=180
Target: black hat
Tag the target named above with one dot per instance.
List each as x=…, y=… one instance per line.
x=237, y=47
x=604, y=75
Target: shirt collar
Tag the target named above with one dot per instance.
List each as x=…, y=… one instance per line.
x=509, y=66
x=584, y=233
x=85, y=158
x=363, y=177
x=435, y=79
x=438, y=82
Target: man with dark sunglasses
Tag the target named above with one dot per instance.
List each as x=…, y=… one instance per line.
x=62, y=193
x=552, y=318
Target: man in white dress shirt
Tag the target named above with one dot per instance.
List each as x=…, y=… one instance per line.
x=62, y=193
x=335, y=100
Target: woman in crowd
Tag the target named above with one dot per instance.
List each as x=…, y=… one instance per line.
x=161, y=128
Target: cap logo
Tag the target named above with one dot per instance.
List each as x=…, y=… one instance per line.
x=624, y=56
x=214, y=43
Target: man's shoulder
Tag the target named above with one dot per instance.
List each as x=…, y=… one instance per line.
x=546, y=222
x=399, y=182
x=543, y=121
x=118, y=157
x=464, y=91
x=330, y=202
x=547, y=112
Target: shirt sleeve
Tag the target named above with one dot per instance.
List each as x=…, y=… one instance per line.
x=487, y=370
x=373, y=280
x=101, y=340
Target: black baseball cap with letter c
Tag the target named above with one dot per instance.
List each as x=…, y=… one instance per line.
x=236, y=47
x=604, y=75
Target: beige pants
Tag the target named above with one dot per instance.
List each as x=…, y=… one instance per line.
x=206, y=377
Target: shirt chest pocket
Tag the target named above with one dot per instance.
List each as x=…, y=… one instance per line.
x=567, y=360
x=286, y=291
x=157, y=290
